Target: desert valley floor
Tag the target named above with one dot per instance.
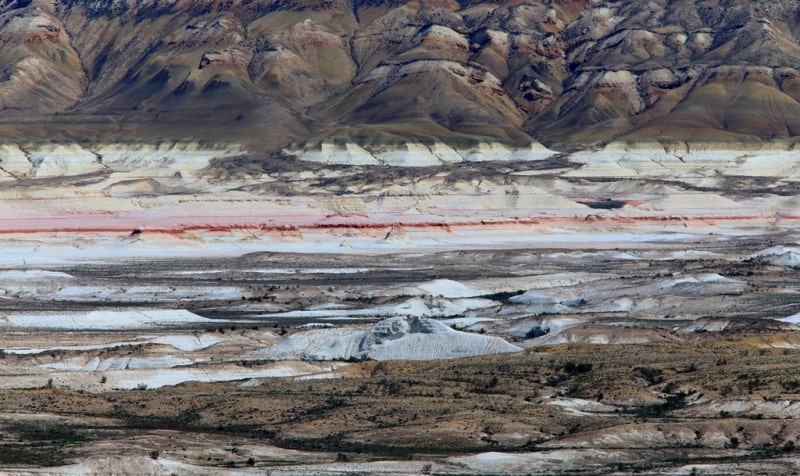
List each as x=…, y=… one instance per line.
x=509, y=312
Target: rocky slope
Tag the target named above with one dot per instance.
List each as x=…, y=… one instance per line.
x=568, y=73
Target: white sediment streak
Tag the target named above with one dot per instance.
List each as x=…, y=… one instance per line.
x=102, y=320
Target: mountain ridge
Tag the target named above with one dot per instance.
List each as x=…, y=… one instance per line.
x=569, y=74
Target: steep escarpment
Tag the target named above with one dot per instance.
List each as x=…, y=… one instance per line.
x=568, y=74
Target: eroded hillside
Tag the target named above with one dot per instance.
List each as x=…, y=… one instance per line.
x=566, y=73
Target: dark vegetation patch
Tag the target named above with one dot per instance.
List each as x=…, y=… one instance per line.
x=376, y=176
x=41, y=443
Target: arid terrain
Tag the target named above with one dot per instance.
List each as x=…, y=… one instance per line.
x=509, y=317
x=399, y=237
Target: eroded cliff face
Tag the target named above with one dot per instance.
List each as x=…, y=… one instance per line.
x=570, y=74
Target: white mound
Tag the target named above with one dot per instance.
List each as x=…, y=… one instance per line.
x=450, y=289
x=397, y=338
x=793, y=319
x=778, y=250
x=789, y=259
x=716, y=278
x=532, y=297
x=782, y=256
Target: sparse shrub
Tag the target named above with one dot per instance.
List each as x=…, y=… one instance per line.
x=155, y=454
x=141, y=386
x=392, y=387
x=651, y=374
x=754, y=383
x=251, y=461
x=357, y=358
x=342, y=458
x=672, y=402
x=103, y=379
x=790, y=385
x=573, y=368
